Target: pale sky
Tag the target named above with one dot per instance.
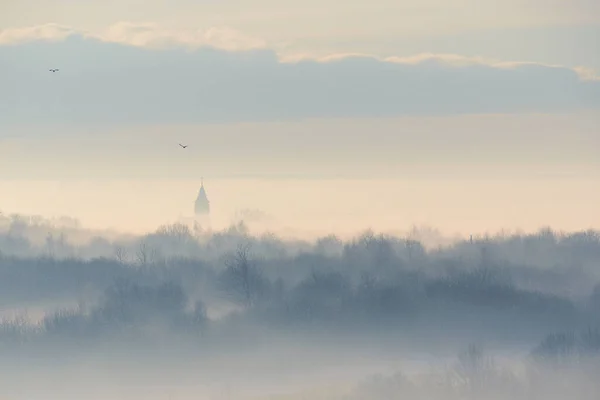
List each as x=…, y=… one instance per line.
x=550, y=31
x=450, y=101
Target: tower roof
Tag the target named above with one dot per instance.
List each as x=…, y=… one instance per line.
x=202, y=205
x=202, y=193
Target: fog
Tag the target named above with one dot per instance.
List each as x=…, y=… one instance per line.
x=295, y=207
x=192, y=311
x=268, y=200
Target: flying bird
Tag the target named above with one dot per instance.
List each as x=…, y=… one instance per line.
x=53, y=70
x=183, y=145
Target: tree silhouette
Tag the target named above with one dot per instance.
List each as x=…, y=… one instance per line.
x=242, y=279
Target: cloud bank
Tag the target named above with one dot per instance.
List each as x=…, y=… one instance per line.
x=140, y=74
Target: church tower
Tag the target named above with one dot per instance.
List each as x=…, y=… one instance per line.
x=202, y=205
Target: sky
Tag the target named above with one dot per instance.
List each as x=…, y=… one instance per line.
x=548, y=31
x=486, y=112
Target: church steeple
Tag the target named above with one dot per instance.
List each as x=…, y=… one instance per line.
x=202, y=205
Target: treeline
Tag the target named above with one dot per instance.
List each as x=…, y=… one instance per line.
x=477, y=375
x=502, y=288
x=404, y=301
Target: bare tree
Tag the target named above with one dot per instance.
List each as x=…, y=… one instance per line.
x=180, y=233
x=475, y=370
x=142, y=254
x=121, y=254
x=243, y=279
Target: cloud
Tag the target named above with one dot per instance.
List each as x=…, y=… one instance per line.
x=153, y=36
x=48, y=32
x=452, y=60
x=149, y=35
x=134, y=74
x=588, y=74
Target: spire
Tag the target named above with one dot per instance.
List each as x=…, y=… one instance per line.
x=202, y=205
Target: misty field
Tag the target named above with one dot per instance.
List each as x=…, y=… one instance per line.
x=189, y=313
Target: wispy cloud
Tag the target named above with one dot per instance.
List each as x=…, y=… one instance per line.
x=143, y=34
x=49, y=32
x=152, y=35
x=453, y=60
x=587, y=73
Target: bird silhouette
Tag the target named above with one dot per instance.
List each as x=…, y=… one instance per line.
x=183, y=145
x=53, y=70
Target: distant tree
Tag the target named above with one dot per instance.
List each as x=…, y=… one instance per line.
x=238, y=229
x=126, y=302
x=142, y=254
x=146, y=254
x=475, y=371
x=329, y=245
x=243, y=279
x=321, y=295
x=414, y=249
x=121, y=254
x=557, y=347
x=64, y=322
x=176, y=234
x=590, y=342
x=370, y=249
x=564, y=348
